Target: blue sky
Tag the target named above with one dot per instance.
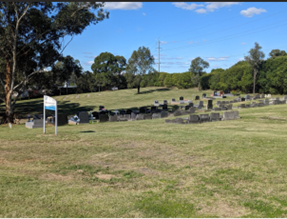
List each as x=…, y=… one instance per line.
x=218, y=32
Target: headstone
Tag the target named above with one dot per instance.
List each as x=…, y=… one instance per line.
x=179, y=121
x=142, y=109
x=123, y=117
x=37, y=123
x=164, y=114
x=164, y=107
x=204, y=117
x=173, y=100
x=242, y=105
x=148, y=116
x=186, y=107
x=229, y=107
x=217, y=109
x=209, y=104
x=103, y=118
x=168, y=121
x=133, y=115
x=129, y=111
x=214, y=116
x=156, y=115
x=193, y=119
x=153, y=109
x=247, y=97
x=101, y=107
x=218, y=102
x=242, y=99
x=180, y=98
x=164, y=102
x=190, y=104
x=230, y=115
x=113, y=118
x=62, y=119
x=122, y=112
x=177, y=113
x=140, y=117
x=203, y=95
x=156, y=103
x=196, y=97
x=84, y=117
x=261, y=96
x=95, y=115
x=191, y=110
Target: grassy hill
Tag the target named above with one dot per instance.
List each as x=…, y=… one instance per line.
x=145, y=168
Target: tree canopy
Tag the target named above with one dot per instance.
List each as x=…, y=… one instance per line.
x=139, y=64
x=31, y=39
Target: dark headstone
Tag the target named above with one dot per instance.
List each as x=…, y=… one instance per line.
x=164, y=114
x=129, y=111
x=186, y=107
x=62, y=119
x=133, y=115
x=181, y=98
x=84, y=117
x=122, y=112
x=190, y=104
x=95, y=115
x=173, y=100
x=142, y=109
x=179, y=120
x=164, y=107
x=153, y=109
x=203, y=95
x=103, y=118
x=101, y=107
x=165, y=102
x=196, y=97
x=242, y=99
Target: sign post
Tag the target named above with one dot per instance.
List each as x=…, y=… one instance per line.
x=50, y=104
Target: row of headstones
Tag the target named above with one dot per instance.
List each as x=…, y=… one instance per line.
x=37, y=121
x=230, y=115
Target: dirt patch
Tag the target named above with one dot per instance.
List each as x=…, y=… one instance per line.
x=222, y=209
x=57, y=177
x=104, y=176
x=147, y=171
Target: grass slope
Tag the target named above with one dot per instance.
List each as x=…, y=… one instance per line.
x=146, y=168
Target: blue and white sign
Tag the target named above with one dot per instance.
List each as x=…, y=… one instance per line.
x=50, y=104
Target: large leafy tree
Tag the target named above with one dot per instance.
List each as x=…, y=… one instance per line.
x=139, y=64
x=31, y=39
x=255, y=59
x=276, y=53
x=108, y=69
x=196, y=67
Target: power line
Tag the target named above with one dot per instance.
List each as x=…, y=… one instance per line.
x=227, y=37
x=234, y=26
x=210, y=24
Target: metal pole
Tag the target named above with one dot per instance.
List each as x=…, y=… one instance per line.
x=56, y=119
x=44, y=117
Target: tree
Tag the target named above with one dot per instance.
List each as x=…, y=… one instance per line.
x=139, y=64
x=255, y=59
x=31, y=39
x=276, y=53
x=196, y=67
x=108, y=68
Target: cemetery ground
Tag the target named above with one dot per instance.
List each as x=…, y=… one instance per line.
x=146, y=168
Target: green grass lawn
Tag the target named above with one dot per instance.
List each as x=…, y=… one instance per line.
x=145, y=168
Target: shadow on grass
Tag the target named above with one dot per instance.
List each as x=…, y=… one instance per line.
x=36, y=106
x=87, y=131
x=151, y=91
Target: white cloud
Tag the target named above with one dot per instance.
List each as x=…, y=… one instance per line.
x=178, y=57
x=191, y=59
x=190, y=42
x=88, y=63
x=123, y=5
x=243, y=43
x=240, y=59
x=163, y=42
x=211, y=6
x=201, y=11
x=251, y=11
x=144, y=14
x=186, y=6
x=223, y=58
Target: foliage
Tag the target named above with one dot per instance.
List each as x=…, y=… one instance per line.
x=139, y=64
x=196, y=67
x=108, y=70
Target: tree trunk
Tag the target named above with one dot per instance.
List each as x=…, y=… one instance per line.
x=138, y=89
x=254, y=79
x=9, y=108
x=198, y=86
